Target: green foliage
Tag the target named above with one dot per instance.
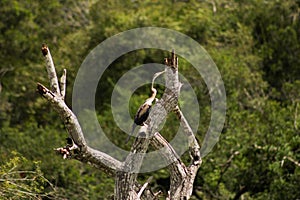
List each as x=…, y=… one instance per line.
x=21, y=179
x=254, y=43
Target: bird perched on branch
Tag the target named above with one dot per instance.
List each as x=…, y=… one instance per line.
x=143, y=113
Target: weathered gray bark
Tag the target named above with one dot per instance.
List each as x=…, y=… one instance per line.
x=126, y=172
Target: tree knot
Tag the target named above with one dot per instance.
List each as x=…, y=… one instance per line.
x=44, y=49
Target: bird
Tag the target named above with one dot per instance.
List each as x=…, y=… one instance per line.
x=142, y=113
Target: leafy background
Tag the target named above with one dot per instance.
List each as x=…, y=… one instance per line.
x=254, y=43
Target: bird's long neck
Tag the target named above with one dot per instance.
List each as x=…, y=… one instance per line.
x=151, y=99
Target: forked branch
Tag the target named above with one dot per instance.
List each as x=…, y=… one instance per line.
x=56, y=98
x=126, y=172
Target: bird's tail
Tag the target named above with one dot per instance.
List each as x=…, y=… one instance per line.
x=132, y=130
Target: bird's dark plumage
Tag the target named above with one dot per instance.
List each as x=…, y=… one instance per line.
x=142, y=113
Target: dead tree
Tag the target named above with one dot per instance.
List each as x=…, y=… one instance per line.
x=126, y=172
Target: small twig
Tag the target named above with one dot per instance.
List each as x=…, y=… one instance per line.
x=157, y=193
x=62, y=83
x=296, y=116
x=266, y=148
x=226, y=166
x=208, y=191
x=16, y=191
x=228, y=162
x=213, y=3
x=17, y=172
x=3, y=71
x=10, y=171
x=173, y=61
x=144, y=187
x=71, y=144
x=290, y=159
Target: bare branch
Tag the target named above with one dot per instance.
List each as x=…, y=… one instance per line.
x=82, y=152
x=99, y=160
x=85, y=153
x=70, y=120
x=50, y=69
x=194, y=146
x=166, y=150
x=177, y=169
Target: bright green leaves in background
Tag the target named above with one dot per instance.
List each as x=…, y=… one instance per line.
x=254, y=43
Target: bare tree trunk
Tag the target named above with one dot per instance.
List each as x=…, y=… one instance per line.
x=126, y=186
